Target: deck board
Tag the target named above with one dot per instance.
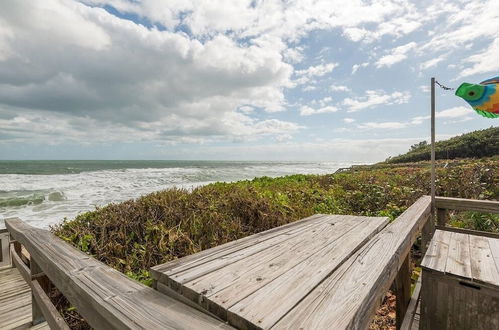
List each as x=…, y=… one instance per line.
x=464, y=256
x=15, y=302
x=242, y=282
x=352, y=291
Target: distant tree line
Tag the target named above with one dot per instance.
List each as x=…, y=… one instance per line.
x=477, y=144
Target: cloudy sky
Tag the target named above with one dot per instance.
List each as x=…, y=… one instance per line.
x=227, y=79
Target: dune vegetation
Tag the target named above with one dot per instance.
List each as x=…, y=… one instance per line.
x=476, y=144
x=137, y=234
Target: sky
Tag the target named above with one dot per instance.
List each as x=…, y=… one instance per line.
x=318, y=80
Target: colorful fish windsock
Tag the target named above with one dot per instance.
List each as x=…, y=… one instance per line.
x=483, y=97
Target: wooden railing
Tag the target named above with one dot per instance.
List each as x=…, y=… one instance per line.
x=5, y=261
x=442, y=207
x=444, y=204
x=106, y=298
x=397, y=273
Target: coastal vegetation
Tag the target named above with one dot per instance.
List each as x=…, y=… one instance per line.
x=134, y=235
x=477, y=144
x=137, y=234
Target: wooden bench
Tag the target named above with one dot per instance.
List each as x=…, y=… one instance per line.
x=325, y=272
x=106, y=298
x=460, y=287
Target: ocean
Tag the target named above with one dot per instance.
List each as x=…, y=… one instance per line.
x=44, y=193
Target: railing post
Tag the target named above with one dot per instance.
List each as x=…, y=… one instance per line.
x=5, y=259
x=441, y=217
x=38, y=275
x=403, y=290
x=427, y=233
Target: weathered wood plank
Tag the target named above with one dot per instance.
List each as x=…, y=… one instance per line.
x=469, y=231
x=106, y=298
x=458, y=260
x=50, y=313
x=4, y=250
x=442, y=217
x=229, y=249
x=288, y=289
x=436, y=256
x=15, y=301
x=240, y=256
x=247, y=275
x=349, y=297
x=412, y=314
x=20, y=265
x=467, y=204
x=483, y=266
x=450, y=303
x=494, y=249
x=403, y=291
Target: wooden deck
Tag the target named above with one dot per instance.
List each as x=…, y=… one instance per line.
x=324, y=272
x=106, y=298
x=15, y=302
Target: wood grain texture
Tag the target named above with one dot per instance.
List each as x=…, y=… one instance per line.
x=436, y=255
x=106, y=298
x=467, y=204
x=449, y=303
x=411, y=318
x=15, y=300
x=20, y=265
x=349, y=297
x=229, y=250
x=469, y=231
x=464, y=256
x=403, y=291
x=483, y=266
x=458, y=258
x=4, y=250
x=253, y=283
x=54, y=319
x=271, y=302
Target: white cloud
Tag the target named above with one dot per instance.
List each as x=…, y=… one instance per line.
x=85, y=63
x=316, y=70
x=382, y=125
x=356, y=67
x=483, y=61
x=348, y=120
x=339, y=149
x=339, y=88
x=455, y=112
x=431, y=63
x=459, y=113
x=374, y=98
x=395, y=55
x=309, y=88
x=307, y=111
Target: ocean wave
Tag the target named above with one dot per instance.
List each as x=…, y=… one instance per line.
x=46, y=199
x=28, y=198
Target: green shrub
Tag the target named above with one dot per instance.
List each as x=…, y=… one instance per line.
x=134, y=235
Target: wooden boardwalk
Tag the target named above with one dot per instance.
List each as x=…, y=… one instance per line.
x=15, y=302
x=324, y=272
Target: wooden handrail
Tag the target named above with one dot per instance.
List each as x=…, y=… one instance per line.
x=443, y=204
x=106, y=298
x=463, y=204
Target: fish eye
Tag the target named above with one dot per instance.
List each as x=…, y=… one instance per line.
x=471, y=93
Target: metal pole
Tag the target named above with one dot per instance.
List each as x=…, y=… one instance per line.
x=433, y=145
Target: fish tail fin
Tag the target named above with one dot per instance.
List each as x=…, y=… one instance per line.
x=487, y=114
